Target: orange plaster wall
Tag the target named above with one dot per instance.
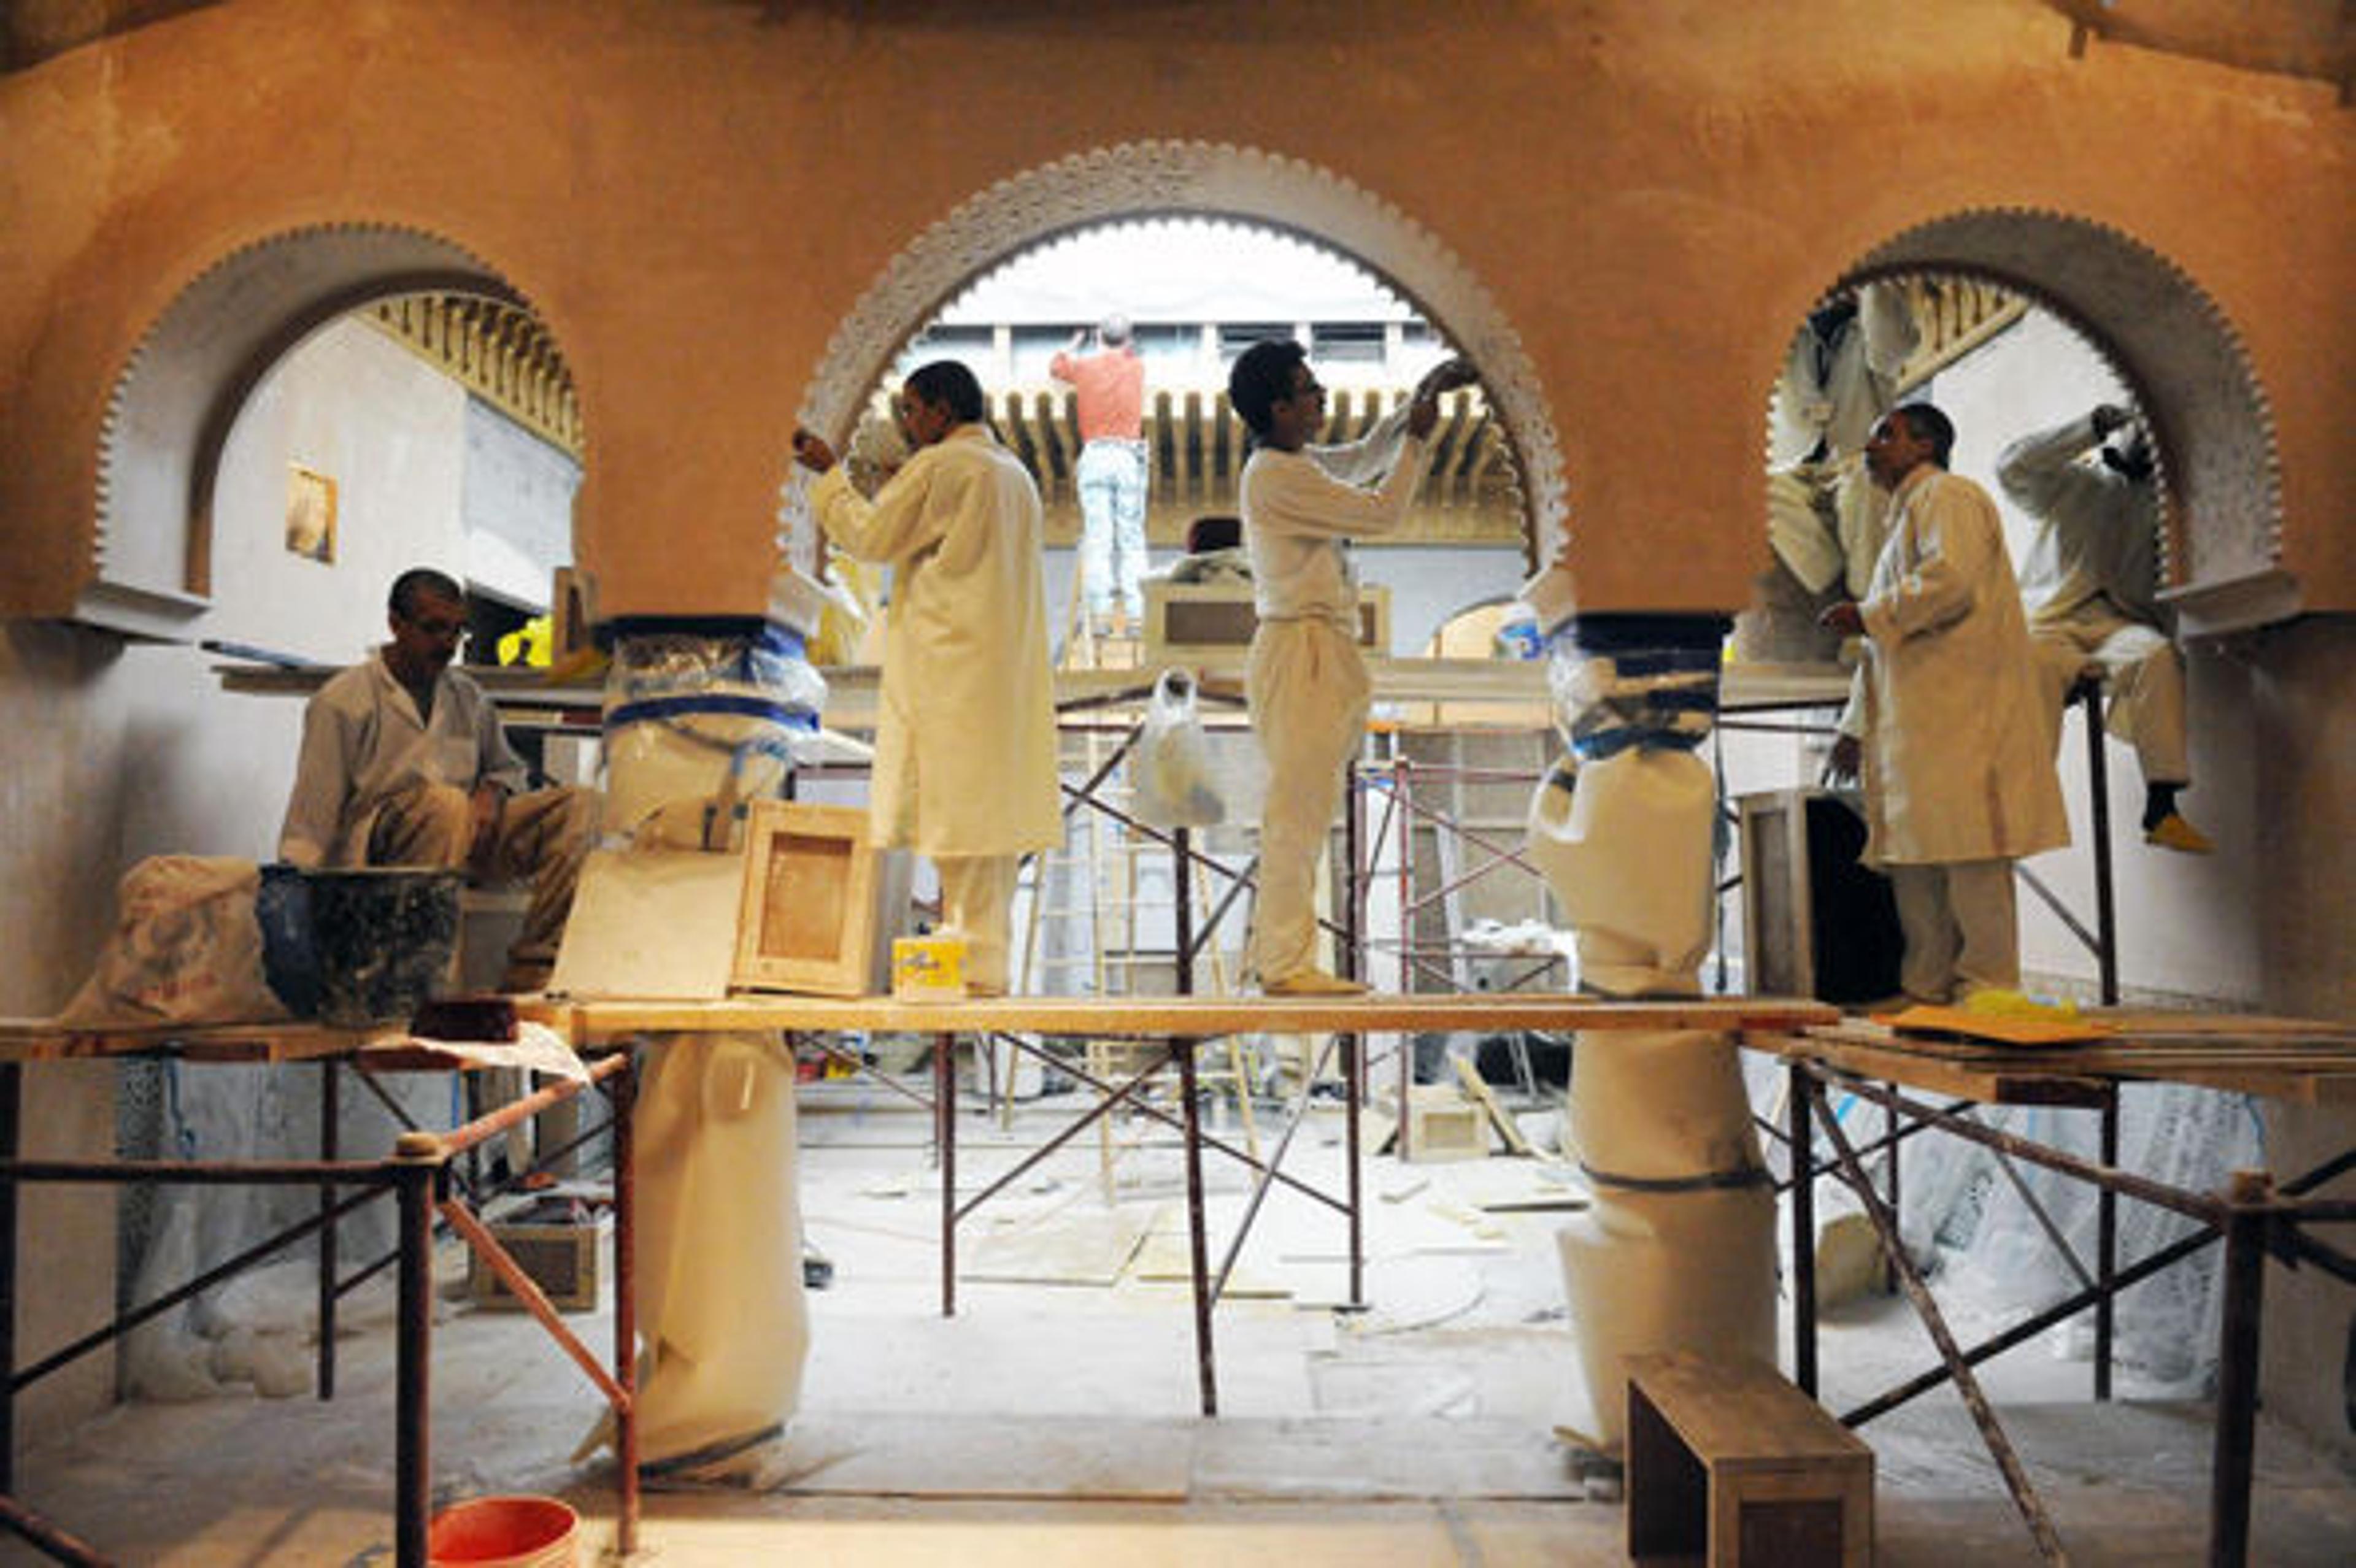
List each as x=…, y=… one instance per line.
x=695, y=194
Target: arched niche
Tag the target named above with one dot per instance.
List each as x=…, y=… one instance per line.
x=2171, y=342
x=179, y=393
x=1200, y=179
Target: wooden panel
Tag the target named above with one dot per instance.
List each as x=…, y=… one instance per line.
x=652, y=923
x=2301, y=1060
x=39, y=1040
x=806, y=922
x=1193, y=1017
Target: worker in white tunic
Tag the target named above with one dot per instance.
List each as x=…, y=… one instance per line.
x=965, y=749
x=2089, y=580
x=1840, y=376
x=1959, y=782
x=1306, y=681
x=404, y=763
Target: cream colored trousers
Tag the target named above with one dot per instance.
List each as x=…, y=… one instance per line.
x=1309, y=692
x=976, y=899
x=2142, y=672
x=541, y=837
x=1961, y=929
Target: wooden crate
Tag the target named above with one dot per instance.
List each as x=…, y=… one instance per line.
x=1730, y=1463
x=807, y=919
x=1442, y=1124
x=560, y=1258
x=1211, y=623
x=1815, y=922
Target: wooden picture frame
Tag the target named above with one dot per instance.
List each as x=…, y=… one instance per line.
x=807, y=920
x=310, y=514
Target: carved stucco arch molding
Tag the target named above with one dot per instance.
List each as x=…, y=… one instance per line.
x=1145, y=179
x=2188, y=368
x=181, y=388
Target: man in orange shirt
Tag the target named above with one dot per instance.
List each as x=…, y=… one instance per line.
x=1110, y=386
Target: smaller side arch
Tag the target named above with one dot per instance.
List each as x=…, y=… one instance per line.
x=2189, y=370
x=179, y=393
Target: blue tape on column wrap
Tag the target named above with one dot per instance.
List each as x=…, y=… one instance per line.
x=1611, y=743
x=1665, y=661
x=655, y=709
x=1709, y=1181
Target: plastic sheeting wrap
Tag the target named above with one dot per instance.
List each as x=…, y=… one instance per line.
x=1661, y=1107
x=721, y=1300
x=1659, y=1272
x=701, y=716
x=1678, y=1251
x=1974, y=1227
x=710, y=714
x=1625, y=844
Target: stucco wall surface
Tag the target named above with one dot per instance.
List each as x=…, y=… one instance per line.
x=694, y=196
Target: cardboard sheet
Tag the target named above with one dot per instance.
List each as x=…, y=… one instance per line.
x=1956, y=1023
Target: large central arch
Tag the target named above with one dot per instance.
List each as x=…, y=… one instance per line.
x=1199, y=180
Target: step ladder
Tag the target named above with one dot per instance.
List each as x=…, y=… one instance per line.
x=1105, y=907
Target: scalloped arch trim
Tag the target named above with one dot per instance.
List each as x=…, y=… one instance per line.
x=1210, y=180
x=2167, y=336
x=179, y=391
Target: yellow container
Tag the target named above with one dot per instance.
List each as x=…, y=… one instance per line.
x=929, y=968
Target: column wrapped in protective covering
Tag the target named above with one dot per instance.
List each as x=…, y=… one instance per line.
x=1678, y=1251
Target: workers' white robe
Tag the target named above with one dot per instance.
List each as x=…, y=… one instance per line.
x=2089, y=580
x=1955, y=767
x=1823, y=519
x=1306, y=681
x=965, y=746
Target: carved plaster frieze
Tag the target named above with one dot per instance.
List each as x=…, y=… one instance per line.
x=1193, y=178
x=181, y=387
x=2190, y=372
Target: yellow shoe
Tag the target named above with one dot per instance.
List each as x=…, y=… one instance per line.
x=2174, y=833
x=1312, y=983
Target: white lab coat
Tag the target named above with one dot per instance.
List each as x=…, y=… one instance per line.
x=2090, y=581
x=363, y=743
x=1956, y=766
x=965, y=746
x=1831, y=393
x=1299, y=508
x=1822, y=515
x=2097, y=531
x=1306, y=681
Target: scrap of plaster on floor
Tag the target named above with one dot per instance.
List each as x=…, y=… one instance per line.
x=1050, y=1425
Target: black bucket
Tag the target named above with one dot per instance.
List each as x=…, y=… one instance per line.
x=382, y=939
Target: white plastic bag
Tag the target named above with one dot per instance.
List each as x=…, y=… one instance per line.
x=1174, y=784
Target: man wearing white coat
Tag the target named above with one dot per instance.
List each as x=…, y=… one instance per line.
x=1959, y=782
x=2090, y=581
x=1306, y=681
x=965, y=748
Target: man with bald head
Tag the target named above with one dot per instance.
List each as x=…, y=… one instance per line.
x=1959, y=780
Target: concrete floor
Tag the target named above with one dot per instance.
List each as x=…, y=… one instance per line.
x=1054, y=1423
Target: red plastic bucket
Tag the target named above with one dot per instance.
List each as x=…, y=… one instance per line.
x=504, y=1532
